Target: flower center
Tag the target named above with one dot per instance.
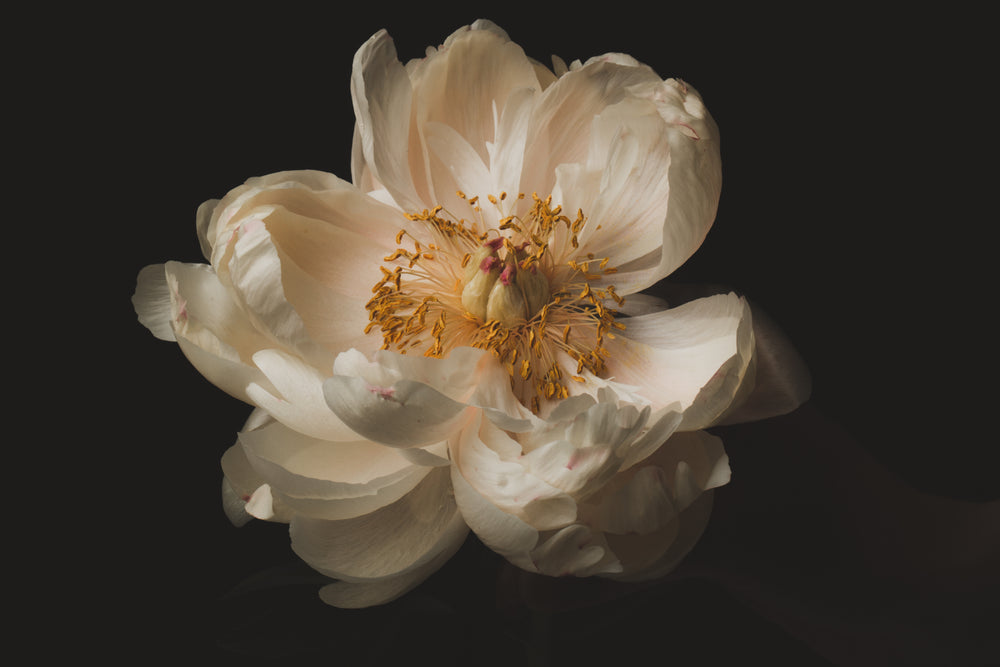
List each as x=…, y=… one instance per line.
x=519, y=289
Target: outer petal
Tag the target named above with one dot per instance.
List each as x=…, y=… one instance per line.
x=330, y=480
x=211, y=329
x=151, y=301
x=298, y=401
x=382, y=98
x=654, y=513
x=465, y=85
x=409, y=536
x=696, y=355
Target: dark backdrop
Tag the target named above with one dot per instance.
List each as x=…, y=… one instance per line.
x=854, y=211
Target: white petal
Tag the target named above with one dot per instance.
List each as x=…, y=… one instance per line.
x=560, y=129
x=151, y=301
x=696, y=355
x=501, y=531
x=380, y=88
x=211, y=330
x=255, y=272
x=330, y=480
x=392, y=540
x=405, y=414
x=299, y=401
x=489, y=460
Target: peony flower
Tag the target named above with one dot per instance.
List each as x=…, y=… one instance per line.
x=457, y=339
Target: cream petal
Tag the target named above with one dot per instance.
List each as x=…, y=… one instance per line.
x=507, y=152
x=203, y=226
x=298, y=402
x=404, y=414
x=563, y=118
x=211, y=330
x=696, y=355
x=380, y=88
x=255, y=272
x=465, y=83
x=240, y=481
x=329, y=480
x=489, y=460
x=695, y=177
x=389, y=541
x=501, y=531
x=227, y=212
x=625, y=218
x=151, y=302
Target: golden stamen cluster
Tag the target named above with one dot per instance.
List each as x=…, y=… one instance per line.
x=436, y=296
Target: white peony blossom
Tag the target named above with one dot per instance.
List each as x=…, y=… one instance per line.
x=456, y=339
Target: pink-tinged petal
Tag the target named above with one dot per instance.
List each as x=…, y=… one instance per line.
x=405, y=414
x=328, y=480
x=696, y=355
x=240, y=481
x=211, y=330
x=298, y=402
x=466, y=84
x=151, y=301
x=390, y=541
x=410, y=401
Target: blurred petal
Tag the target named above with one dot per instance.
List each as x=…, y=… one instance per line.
x=781, y=381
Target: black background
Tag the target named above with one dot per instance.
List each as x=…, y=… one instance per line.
x=856, y=210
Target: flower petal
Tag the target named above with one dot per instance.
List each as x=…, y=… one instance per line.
x=329, y=480
x=405, y=414
x=390, y=541
x=298, y=402
x=781, y=380
x=696, y=355
x=490, y=461
x=151, y=301
x=380, y=88
x=211, y=330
